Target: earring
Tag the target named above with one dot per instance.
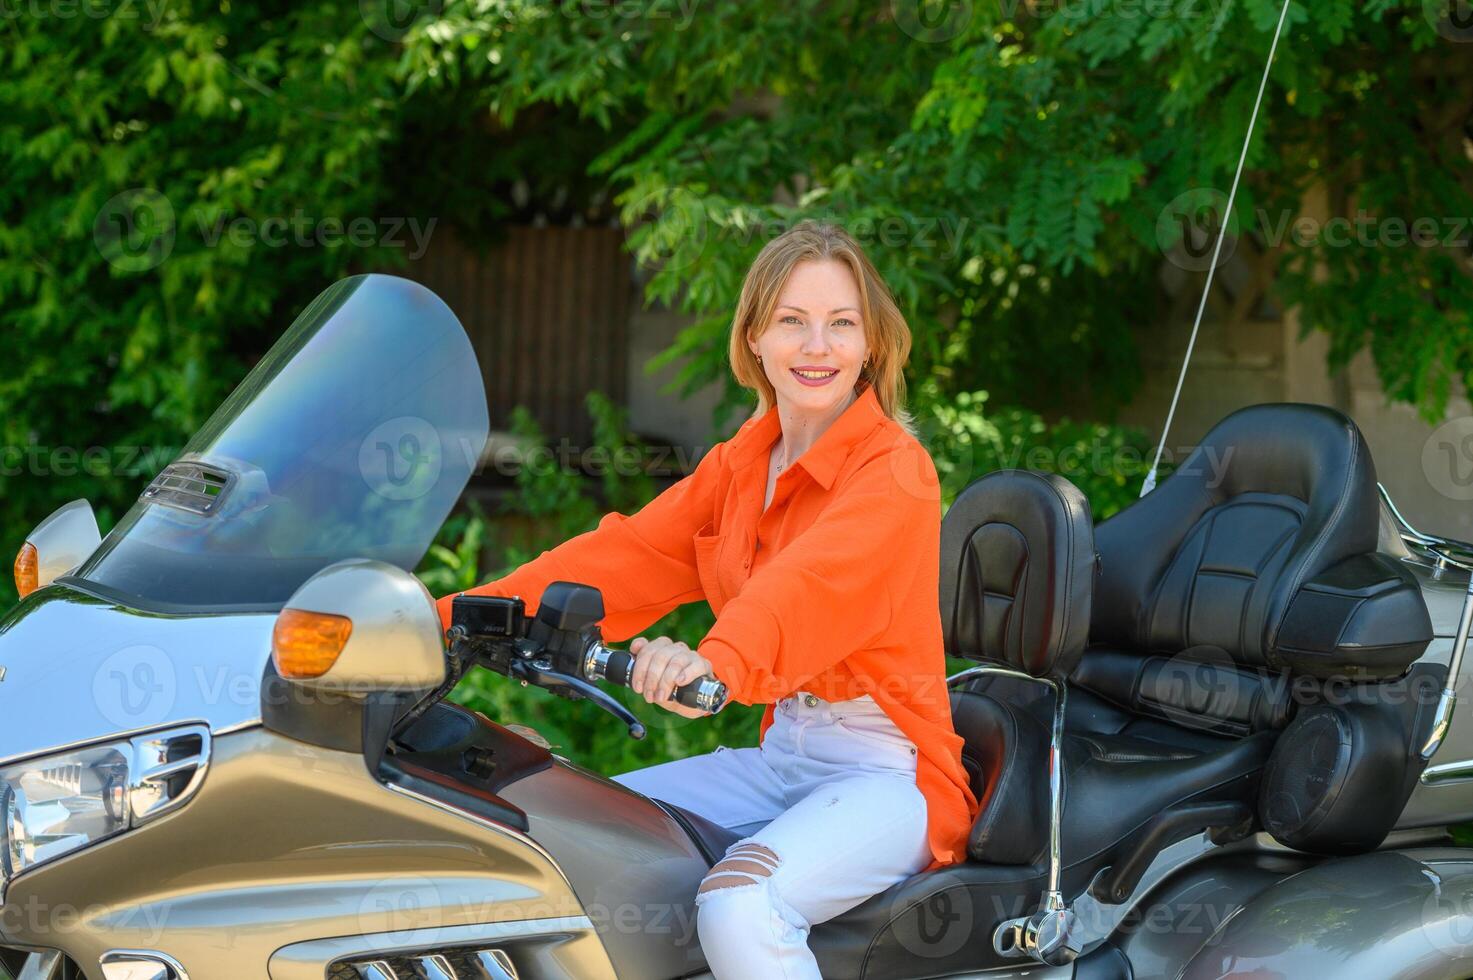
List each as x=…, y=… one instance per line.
x=759, y=358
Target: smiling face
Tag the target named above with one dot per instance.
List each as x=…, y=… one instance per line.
x=813, y=347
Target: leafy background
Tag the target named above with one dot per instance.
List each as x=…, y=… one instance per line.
x=1006, y=164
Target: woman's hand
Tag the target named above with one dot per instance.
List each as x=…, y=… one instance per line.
x=660, y=666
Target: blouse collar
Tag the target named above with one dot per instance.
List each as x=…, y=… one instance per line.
x=824, y=458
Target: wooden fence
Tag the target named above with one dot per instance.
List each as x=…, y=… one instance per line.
x=547, y=311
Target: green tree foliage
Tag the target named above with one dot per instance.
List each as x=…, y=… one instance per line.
x=181, y=178
x=1018, y=168
x=133, y=138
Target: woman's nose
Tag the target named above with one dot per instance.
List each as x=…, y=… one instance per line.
x=816, y=341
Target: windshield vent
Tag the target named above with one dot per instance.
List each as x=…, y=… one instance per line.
x=194, y=487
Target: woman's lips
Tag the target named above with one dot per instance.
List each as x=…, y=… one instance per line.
x=814, y=382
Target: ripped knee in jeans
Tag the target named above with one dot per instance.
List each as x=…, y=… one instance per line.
x=744, y=864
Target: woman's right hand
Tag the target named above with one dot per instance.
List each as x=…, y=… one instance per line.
x=660, y=666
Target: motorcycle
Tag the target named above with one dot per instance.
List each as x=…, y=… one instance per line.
x=1210, y=737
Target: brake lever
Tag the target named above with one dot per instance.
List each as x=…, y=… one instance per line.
x=540, y=672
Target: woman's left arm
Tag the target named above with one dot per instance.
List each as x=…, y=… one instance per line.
x=643, y=564
x=833, y=589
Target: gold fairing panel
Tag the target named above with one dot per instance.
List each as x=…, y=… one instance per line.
x=287, y=843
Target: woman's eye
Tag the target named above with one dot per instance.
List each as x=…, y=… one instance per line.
x=843, y=322
x=789, y=318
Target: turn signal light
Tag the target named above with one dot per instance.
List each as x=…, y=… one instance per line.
x=26, y=570
x=306, y=644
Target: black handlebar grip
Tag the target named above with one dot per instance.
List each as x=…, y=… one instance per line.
x=619, y=667
x=705, y=693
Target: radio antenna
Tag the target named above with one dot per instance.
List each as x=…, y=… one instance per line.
x=1150, y=482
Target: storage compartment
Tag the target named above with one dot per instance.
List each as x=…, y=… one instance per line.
x=1362, y=618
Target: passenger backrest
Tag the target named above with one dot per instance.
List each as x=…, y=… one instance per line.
x=1017, y=572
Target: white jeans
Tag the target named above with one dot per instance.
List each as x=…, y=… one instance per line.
x=831, y=791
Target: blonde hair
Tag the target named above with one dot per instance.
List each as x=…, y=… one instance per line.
x=885, y=331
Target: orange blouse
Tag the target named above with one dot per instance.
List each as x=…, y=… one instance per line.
x=834, y=589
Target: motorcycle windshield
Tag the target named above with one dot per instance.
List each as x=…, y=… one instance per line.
x=353, y=437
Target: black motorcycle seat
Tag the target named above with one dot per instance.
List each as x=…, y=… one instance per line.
x=1253, y=562
x=1120, y=771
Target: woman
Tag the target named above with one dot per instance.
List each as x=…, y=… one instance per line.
x=814, y=533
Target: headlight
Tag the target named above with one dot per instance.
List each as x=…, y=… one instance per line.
x=57, y=804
